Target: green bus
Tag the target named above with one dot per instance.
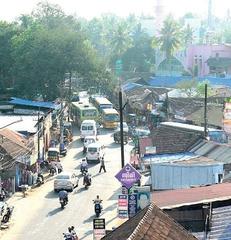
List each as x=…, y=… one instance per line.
x=83, y=111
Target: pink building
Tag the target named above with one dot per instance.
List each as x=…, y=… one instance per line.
x=209, y=59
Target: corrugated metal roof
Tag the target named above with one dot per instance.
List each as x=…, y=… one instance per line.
x=216, y=151
x=22, y=124
x=183, y=197
x=221, y=223
x=170, y=81
x=130, y=86
x=163, y=158
x=25, y=102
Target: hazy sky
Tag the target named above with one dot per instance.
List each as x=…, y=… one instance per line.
x=10, y=9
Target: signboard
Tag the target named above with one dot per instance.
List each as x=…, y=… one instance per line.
x=99, y=228
x=150, y=150
x=132, y=205
x=143, y=196
x=123, y=205
x=128, y=175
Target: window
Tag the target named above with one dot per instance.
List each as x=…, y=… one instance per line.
x=84, y=128
x=92, y=150
x=90, y=127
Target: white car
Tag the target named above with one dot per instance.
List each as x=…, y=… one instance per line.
x=88, y=140
x=66, y=181
x=125, y=127
x=95, y=152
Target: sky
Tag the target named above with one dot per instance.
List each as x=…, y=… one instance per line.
x=11, y=9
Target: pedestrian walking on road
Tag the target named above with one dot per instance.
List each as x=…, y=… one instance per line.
x=102, y=165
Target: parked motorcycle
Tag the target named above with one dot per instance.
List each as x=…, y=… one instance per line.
x=8, y=214
x=40, y=180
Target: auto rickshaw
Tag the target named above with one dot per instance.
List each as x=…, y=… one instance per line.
x=117, y=138
x=67, y=131
x=53, y=154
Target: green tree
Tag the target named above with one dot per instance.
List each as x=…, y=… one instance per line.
x=188, y=86
x=188, y=35
x=170, y=35
x=200, y=89
x=7, y=32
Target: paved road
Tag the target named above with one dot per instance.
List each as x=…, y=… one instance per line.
x=39, y=215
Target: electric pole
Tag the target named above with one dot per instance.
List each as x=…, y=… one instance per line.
x=121, y=128
x=205, y=113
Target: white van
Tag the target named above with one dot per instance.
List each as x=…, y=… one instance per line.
x=95, y=152
x=88, y=128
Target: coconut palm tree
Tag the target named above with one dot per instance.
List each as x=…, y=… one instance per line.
x=188, y=35
x=169, y=37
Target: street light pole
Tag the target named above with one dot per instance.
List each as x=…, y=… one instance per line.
x=121, y=128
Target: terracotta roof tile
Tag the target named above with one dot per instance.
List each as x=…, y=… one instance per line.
x=150, y=224
x=181, y=197
x=170, y=140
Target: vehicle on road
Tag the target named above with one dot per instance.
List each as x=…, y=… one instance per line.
x=125, y=127
x=81, y=111
x=66, y=181
x=53, y=154
x=88, y=140
x=63, y=203
x=101, y=103
x=117, y=137
x=86, y=179
x=95, y=152
x=88, y=128
x=109, y=118
x=5, y=212
x=98, y=206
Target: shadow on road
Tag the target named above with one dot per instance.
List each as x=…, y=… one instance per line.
x=90, y=219
x=111, y=207
x=55, y=211
x=51, y=194
x=113, y=145
x=90, y=232
x=114, y=196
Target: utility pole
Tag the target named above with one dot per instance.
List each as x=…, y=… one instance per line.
x=38, y=136
x=69, y=96
x=205, y=113
x=61, y=146
x=121, y=128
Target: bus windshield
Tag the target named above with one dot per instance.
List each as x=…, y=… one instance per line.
x=111, y=117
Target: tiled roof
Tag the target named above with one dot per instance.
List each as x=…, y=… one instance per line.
x=170, y=140
x=150, y=224
x=12, y=145
x=143, y=143
x=183, y=197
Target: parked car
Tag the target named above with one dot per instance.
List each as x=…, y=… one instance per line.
x=95, y=152
x=66, y=181
x=88, y=140
x=117, y=138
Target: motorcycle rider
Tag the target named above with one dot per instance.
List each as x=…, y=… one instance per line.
x=63, y=195
x=73, y=233
x=84, y=165
x=86, y=178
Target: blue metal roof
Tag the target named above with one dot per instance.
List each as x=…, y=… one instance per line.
x=25, y=102
x=171, y=81
x=130, y=86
